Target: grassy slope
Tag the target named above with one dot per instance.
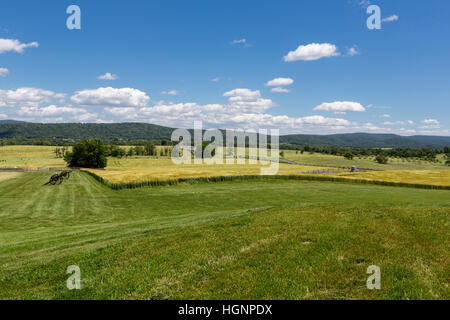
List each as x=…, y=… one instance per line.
x=272, y=239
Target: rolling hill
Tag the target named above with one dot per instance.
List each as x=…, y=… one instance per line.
x=10, y=129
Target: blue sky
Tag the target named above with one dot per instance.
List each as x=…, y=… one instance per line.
x=173, y=62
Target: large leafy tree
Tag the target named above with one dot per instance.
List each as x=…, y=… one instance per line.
x=88, y=154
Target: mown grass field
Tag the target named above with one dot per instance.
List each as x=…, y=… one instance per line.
x=271, y=239
x=230, y=240
x=31, y=157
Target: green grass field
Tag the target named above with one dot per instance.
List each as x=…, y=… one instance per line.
x=230, y=240
x=31, y=157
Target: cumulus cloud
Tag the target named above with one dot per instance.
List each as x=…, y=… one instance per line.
x=371, y=106
x=171, y=92
x=7, y=45
x=353, y=51
x=430, y=124
x=364, y=3
x=242, y=94
x=4, y=72
x=430, y=121
x=217, y=79
x=245, y=109
x=246, y=100
x=340, y=107
x=385, y=115
x=313, y=51
x=279, y=82
x=87, y=117
x=110, y=97
x=280, y=90
x=49, y=111
x=108, y=76
x=28, y=97
x=124, y=113
x=394, y=123
x=243, y=41
x=392, y=18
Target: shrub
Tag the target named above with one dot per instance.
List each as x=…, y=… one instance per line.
x=348, y=156
x=381, y=159
x=88, y=154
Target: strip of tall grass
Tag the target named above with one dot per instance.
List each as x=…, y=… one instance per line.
x=169, y=182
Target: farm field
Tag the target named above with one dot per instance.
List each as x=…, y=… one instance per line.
x=229, y=240
x=136, y=169
x=31, y=157
x=367, y=163
x=429, y=177
x=8, y=175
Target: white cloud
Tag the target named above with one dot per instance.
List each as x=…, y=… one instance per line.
x=280, y=90
x=111, y=97
x=108, y=76
x=430, y=121
x=245, y=109
x=392, y=18
x=7, y=45
x=340, y=107
x=430, y=124
x=353, y=51
x=240, y=94
x=278, y=82
x=28, y=97
x=313, y=51
x=394, y=123
x=371, y=106
x=239, y=41
x=364, y=3
x=49, y=111
x=215, y=79
x=385, y=116
x=3, y=116
x=86, y=117
x=171, y=92
x=123, y=113
x=245, y=100
x=4, y=72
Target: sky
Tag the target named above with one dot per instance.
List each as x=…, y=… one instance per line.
x=310, y=67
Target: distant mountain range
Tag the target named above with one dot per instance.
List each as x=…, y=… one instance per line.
x=11, y=129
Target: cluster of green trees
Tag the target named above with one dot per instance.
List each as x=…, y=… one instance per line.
x=423, y=153
x=148, y=149
x=88, y=154
x=60, y=152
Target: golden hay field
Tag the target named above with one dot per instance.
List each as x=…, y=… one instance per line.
x=139, y=169
x=429, y=177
